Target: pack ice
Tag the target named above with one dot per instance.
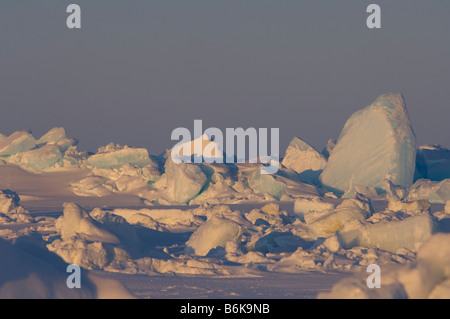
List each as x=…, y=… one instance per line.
x=286, y=222
x=426, y=277
x=376, y=143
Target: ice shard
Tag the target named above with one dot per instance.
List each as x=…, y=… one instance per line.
x=301, y=157
x=53, y=136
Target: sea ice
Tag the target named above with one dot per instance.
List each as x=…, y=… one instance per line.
x=266, y=184
x=409, y=233
x=394, y=192
x=219, y=188
x=115, y=156
x=20, y=141
x=435, y=192
x=412, y=208
x=303, y=206
x=53, y=136
x=181, y=182
x=427, y=277
x=216, y=232
x=40, y=159
x=66, y=143
x=76, y=222
x=376, y=143
x=11, y=210
x=36, y=275
x=92, y=186
x=302, y=157
x=329, y=223
x=152, y=218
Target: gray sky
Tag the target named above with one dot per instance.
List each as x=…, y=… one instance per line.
x=139, y=69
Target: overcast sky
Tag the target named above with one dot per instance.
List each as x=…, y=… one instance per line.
x=136, y=70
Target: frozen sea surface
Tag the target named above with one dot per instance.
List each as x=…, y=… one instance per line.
x=304, y=285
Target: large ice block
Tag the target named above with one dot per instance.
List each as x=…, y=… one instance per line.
x=303, y=206
x=117, y=157
x=76, y=222
x=53, y=136
x=331, y=221
x=216, y=232
x=66, y=143
x=20, y=141
x=408, y=233
x=40, y=159
x=266, y=184
x=301, y=157
x=181, y=182
x=376, y=143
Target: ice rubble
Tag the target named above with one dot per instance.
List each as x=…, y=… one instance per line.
x=30, y=271
x=91, y=240
x=27, y=263
x=376, y=143
x=114, y=155
x=427, y=277
x=169, y=219
x=215, y=239
x=375, y=153
x=123, y=169
x=92, y=186
x=303, y=206
x=53, y=151
x=126, y=178
x=76, y=222
x=278, y=186
x=10, y=209
x=435, y=192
